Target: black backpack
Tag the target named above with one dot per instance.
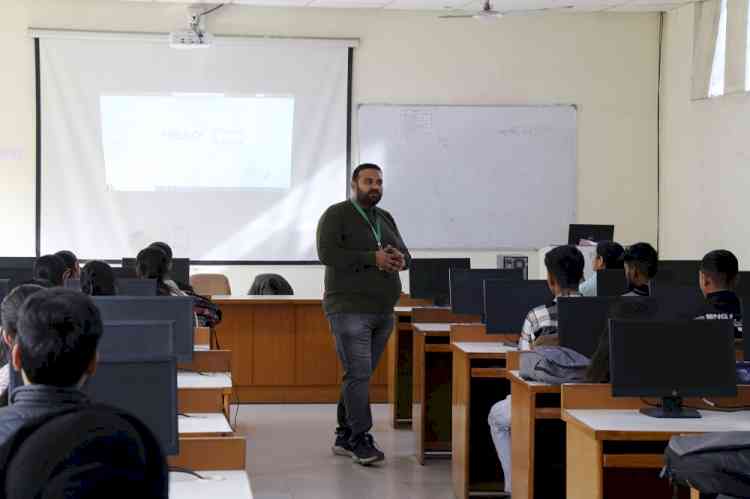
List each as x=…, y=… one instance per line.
x=713, y=463
x=84, y=451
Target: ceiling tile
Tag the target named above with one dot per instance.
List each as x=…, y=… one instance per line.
x=349, y=4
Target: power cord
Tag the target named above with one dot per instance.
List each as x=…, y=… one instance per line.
x=186, y=471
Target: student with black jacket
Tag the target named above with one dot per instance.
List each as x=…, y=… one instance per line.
x=717, y=279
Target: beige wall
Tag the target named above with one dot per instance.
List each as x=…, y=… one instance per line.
x=705, y=160
x=604, y=63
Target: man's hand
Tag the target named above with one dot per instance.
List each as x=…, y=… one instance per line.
x=402, y=259
x=388, y=261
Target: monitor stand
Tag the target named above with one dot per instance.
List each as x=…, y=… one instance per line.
x=671, y=407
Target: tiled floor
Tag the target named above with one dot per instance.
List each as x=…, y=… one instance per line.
x=289, y=457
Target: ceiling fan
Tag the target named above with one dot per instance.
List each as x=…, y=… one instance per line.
x=489, y=13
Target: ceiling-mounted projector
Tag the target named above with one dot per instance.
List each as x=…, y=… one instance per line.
x=195, y=36
x=190, y=39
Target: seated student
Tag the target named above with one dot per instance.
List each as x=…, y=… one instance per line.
x=641, y=263
x=51, y=268
x=58, y=335
x=152, y=263
x=564, y=273
x=55, y=352
x=97, y=279
x=168, y=252
x=608, y=256
x=9, y=312
x=71, y=264
x=718, y=274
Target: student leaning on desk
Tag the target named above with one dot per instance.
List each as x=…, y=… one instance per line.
x=564, y=273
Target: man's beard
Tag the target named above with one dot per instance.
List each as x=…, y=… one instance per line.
x=364, y=198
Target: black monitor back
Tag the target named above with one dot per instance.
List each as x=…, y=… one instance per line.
x=677, y=302
x=154, y=308
x=595, y=233
x=611, y=283
x=582, y=321
x=145, y=387
x=678, y=272
x=743, y=284
x=180, y=269
x=135, y=287
x=18, y=269
x=507, y=303
x=128, y=339
x=467, y=287
x=673, y=358
x=429, y=278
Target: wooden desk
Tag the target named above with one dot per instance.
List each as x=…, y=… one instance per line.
x=218, y=484
x=400, y=351
x=208, y=443
x=399, y=360
x=431, y=409
x=532, y=402
x=283, y=350
x=204, y=392
x=479, y=380
x=603, y=440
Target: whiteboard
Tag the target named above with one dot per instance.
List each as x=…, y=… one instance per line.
x=474, y=177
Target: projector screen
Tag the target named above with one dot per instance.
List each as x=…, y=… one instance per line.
x=230, y=153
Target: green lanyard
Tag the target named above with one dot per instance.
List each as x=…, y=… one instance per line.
x=376, y=230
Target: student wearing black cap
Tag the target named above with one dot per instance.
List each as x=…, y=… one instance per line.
x=718, y=276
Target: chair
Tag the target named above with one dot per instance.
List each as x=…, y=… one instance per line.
x=270, y=284
x=210, y=284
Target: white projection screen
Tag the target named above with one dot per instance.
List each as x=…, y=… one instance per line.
x=229, y=153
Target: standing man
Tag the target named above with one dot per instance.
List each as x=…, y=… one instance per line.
x=363, y=253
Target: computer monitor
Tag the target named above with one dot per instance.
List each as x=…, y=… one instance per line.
x=74, y=284
x=672, y=360
x=124, y=273
x=507, y=303
x=582, y=321
x=18, y=269
x=146, y=387
x=467, y=287
x=743, y=284
x=154, y=308
x=135, y=287
x=180, y=269
x=678, y=302
x=679, y=272
x=595, y=233
x=429, y=278
x=611, y=282
x=127, y=339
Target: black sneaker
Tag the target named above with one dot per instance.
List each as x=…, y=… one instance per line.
x=365, y=452
x=342, y=447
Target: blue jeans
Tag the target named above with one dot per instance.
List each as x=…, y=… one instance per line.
x=360, y=342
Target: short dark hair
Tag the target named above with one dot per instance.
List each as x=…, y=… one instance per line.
x=97, y=279
x=164, y=247
x=69, y=258
x=565, y=263
x=364, y=166
x=50, y=267
x=58, y=333
x=611, y=252
x=643, y=257
x=11, y=305
x=722, y=266
x=152, y=263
